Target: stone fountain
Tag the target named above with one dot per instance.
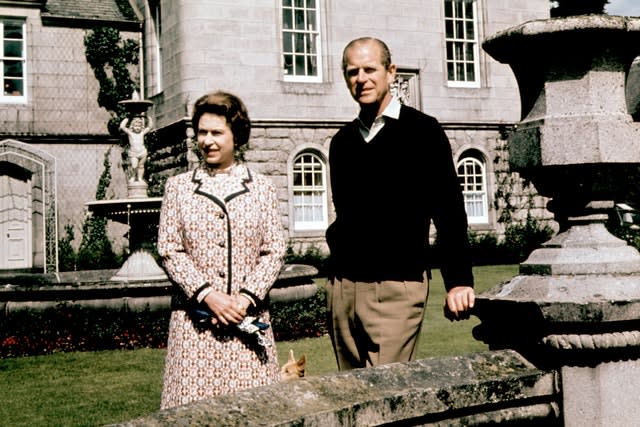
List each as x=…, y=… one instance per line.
x=138, y=211
x=575, y=306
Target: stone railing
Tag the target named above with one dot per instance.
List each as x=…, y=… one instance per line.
x=95, y=289
x=498, y=387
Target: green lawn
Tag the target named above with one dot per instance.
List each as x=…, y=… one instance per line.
x=97, y=388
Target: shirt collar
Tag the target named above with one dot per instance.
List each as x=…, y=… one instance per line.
x=393, y=109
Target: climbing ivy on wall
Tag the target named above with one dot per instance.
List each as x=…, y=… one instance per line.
x=111, y=59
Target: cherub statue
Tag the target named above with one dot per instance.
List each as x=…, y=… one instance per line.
x=137, y=152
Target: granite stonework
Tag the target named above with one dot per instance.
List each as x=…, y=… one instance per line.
x=477, y=389
x=575, y=306
x=104, y=289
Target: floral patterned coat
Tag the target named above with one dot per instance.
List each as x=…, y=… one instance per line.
x=224, y=230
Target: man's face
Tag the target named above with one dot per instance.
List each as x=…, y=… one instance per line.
x=367, y=79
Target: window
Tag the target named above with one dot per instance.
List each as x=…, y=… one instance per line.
x=13, y=58
x=301, y=40
x=309, y=192
x=462, y=43
x=471, y=174
x=154, y=48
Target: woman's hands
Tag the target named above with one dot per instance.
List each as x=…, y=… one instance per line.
x=227, y=309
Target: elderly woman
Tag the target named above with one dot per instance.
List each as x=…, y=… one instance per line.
x=222, y=244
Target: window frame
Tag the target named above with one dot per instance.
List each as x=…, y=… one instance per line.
x=14, y=99
x=318, y=192
x=315, y=33
x=155, y=11
x=471, y=196
x=475, y=51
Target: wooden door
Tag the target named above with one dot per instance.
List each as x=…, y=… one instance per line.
x=15, y=223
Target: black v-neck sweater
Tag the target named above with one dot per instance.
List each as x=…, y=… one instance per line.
x=386, y=192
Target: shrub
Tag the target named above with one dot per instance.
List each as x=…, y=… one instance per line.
x=95, y=251
x=520, y=239
x=66, y=253
x=306, y=318
x=312, y=256
x=485, y=249
x=66, y=328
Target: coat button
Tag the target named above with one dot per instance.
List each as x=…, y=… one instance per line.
x=221, y=274
x=221, y=243
x=221, y=215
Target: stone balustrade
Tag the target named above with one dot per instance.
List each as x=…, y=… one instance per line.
x=488, y=388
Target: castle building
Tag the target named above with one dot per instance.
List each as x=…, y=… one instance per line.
x=282, y=57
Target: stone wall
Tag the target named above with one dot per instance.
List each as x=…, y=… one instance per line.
x=477, y=389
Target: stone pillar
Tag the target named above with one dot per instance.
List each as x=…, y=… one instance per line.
x=575, y=306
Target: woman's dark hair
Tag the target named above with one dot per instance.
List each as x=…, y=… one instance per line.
x=229, y=106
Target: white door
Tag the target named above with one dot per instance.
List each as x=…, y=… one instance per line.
x=15, y=223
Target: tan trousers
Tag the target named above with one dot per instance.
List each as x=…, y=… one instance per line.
x=373, y=323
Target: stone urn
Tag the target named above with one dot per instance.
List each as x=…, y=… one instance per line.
x=575, y=306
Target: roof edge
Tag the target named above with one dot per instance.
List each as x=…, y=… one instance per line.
x=89, y=23
x=24, y=3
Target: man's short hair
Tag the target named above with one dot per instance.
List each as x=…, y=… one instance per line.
x=385, y=52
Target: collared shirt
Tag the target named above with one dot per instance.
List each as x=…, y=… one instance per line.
x=392, y=110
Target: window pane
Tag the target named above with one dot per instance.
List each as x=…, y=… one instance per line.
x=451, y=75
x=448, y=25
x=459, y=49
x=13, y=30
x=287, y=44
x=311, y=20
x=13, y=87
x=468, y=10
x=457, y=8
x=299, y=16
x=471, y=72
x=13, y=49
x=448, y=8
x=311, y=45
x=312, y=70
x=311, y=4
x=299, y=3
x=470, y=33
x=299, y=64
x=13, y=68
x=469, y=52
x=299, y=43
x=286, y=3
x=287, y=19
x=459, y=30
x=288, y=65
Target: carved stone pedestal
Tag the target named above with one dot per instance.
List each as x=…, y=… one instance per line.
x=575, y=306
x=137, y=189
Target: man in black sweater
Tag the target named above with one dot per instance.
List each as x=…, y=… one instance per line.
x=392, y=173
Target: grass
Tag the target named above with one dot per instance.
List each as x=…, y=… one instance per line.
x=98, y=388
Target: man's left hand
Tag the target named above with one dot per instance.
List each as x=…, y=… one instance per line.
x=460, y=301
